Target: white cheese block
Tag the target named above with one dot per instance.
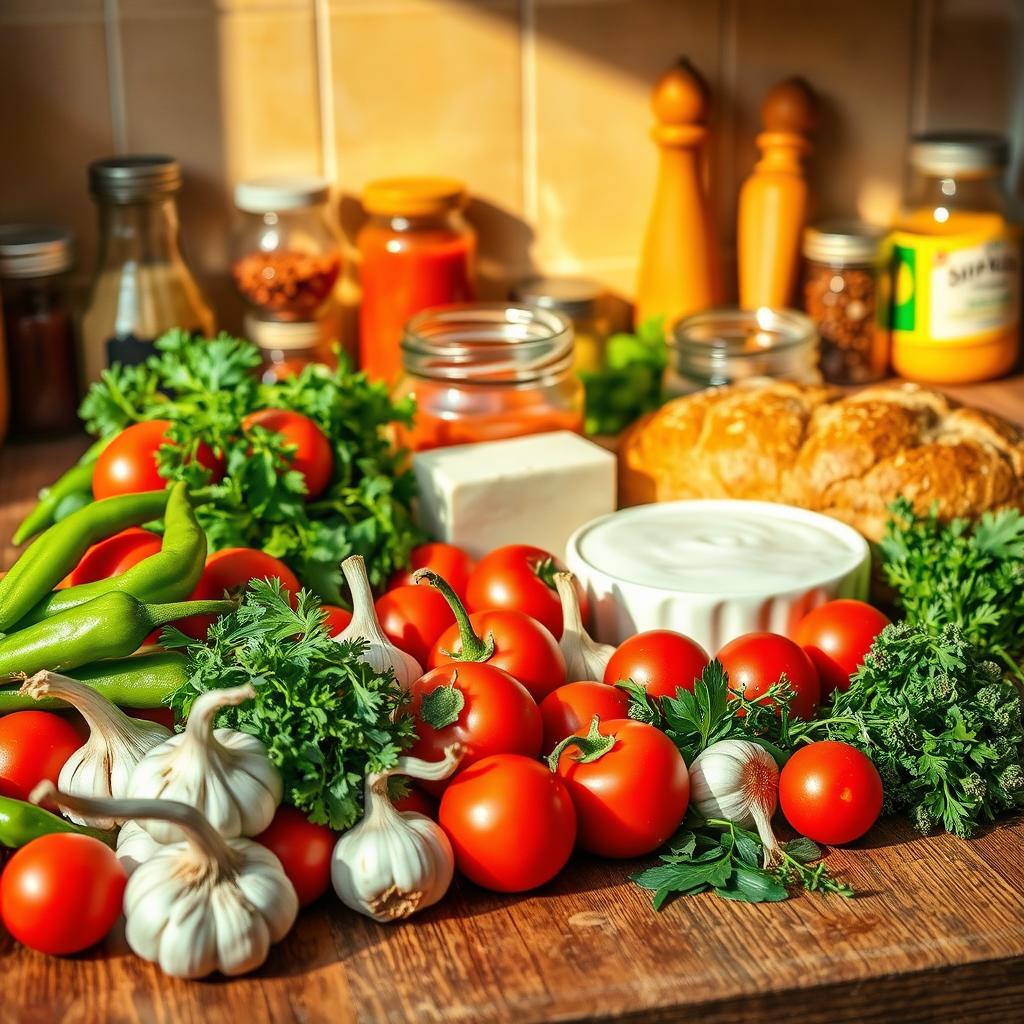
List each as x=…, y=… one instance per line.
x=524, y=490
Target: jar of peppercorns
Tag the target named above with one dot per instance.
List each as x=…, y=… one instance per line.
x=287, y=253
x=846, y=295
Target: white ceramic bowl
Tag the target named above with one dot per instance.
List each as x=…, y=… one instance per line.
x=714, y=569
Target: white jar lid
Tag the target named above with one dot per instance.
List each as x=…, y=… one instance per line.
x=267, y=195
x=283, y=335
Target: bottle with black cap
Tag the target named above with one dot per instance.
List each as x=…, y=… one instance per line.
x=143, y=286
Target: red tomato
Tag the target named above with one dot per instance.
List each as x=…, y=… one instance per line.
x=338, y=619
x=418, y=801
x=128, y=464
x=304, y=850
x=510, y=821
x=33, y=746
x=755, y=661
x=61, y=893
x=498, y=716
x=572, y=706
x=114, y=555
x=162, y=716
x=514, y=577
x=830, y=792
x=313, y=457
x=413, y=618
x=632, y=798
x=449, y=562
x=836, y=637
x=660, y=660
x=522, y=647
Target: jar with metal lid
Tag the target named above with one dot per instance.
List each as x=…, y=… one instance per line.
x=287, y=251
x=846, y=295
x=579, y=299
x=38, y=328
x=143, y=286
x=487, y=371
x=723, y=346
x=288, y=346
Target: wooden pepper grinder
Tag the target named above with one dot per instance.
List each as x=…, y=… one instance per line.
x=773, y=200
x=679, y=262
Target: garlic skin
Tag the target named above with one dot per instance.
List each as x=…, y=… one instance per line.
x=381, y=654
x=203, y=905
x=738, y=781
x=223, y=773
x=394, y=863
x=585, y=658
x=117, y=743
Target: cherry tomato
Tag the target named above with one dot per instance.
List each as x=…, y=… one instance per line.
x=338, y=619
x=418, y=801
x=498, y=716
x=114, y=555
x=510, y=821
x=61, y=893
x=631, y=799
x=836, y=637
x=304, y=850
x=572, y=706
x=830, y=792
x=522, y=647
x=313, y=457
x=517, y=576
x=755, y=661
x=413, y=618
x=660, y=660
x=33, y=746
x=128, y=464
x=449, y=562
x=162, y=716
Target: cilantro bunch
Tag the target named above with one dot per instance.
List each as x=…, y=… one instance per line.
x=206, y=388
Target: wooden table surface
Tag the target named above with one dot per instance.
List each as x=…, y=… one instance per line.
x=935, y=934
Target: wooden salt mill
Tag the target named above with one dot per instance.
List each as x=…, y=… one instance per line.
x=679, y=261
x=773, y=200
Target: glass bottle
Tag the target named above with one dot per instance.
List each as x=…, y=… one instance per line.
x=142, y=286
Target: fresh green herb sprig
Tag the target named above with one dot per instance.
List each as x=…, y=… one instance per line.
x=326, y=717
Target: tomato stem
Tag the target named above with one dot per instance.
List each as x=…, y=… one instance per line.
x=474, y=647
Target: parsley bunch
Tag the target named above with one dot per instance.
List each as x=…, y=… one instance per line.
x=326, y=717
x=206, y=388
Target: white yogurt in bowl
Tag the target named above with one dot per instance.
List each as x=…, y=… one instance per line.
x=714, y=569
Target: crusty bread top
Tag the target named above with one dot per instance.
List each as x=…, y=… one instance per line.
x=849, y=457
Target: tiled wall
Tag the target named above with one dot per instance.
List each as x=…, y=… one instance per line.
x=540, y=105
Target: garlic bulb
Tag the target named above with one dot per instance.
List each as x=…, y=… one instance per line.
x=738, y=781
x=381, y=654
x=585, y=658
x=116, y=743
x=224, y=773
x=394, y=863
x=203, y=905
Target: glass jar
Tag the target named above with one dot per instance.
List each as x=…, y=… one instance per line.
x=723, y=346
x=956, y=309
x=289, y=346
x=287, y=253
x=143, y=286
x=846, y=295
x=39, y=329
x=579, y=299
x=416, y=251
x=486, y=371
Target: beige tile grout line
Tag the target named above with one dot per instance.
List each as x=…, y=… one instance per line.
x=115, y=74
x=528, y=109
x=325, y=89
x=920, y=64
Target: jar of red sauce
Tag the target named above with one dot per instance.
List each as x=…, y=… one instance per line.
x=416, y=251
x=486, y=371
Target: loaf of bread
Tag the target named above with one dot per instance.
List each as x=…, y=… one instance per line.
x=847, y=456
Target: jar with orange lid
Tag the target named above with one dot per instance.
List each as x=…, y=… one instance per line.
x=416, y=251
x=487, y=371
x=956, y=303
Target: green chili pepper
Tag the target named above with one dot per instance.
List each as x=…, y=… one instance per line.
x=21, y=822
x=169, y=575
x=114, y=625
x=49, y=558
x=141, y=681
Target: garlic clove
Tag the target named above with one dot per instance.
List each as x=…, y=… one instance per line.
x=134, y=846
x=585, y=658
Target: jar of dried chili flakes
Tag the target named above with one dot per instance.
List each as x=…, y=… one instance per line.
x=287, y=252
x=846, y=295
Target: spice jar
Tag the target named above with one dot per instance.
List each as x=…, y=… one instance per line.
x=846, y=295
x=580, y=300
x=722, y=346
x=416, y=251
x=288, y=255
x=486, y=371
x=38, y=328
x=289, y=346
